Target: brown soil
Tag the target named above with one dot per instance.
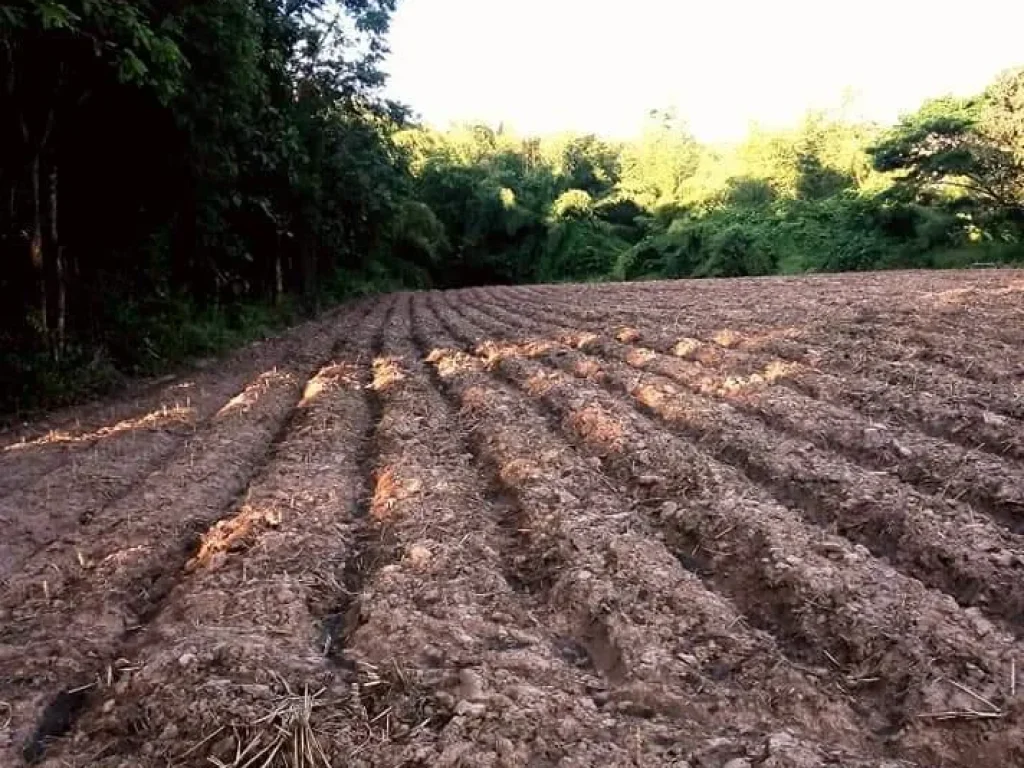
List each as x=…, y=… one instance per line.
x=774, y=522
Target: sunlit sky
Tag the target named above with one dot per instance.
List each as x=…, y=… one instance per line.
x=542, y=66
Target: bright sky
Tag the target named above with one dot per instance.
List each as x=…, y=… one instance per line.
x=600, y=65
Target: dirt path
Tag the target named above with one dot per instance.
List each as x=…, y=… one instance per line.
x=717, y=524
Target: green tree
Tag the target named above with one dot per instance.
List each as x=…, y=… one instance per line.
x=52, y=54
x=962, y=151
x=656, y=167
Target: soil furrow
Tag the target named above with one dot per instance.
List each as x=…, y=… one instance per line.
x=942, y=543
x=118, y=465
x=895, y=652
x=916, y=301
x=469, y=665
x=714, y=524
x=972, y=425
x=102, y=587
x=178, y=403
x=970, y=371
x=619, y=581
x=249, y=622
x=972, y=355
x=867, y=352
x=986, y=482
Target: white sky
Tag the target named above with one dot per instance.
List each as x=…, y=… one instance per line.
x=600, y=65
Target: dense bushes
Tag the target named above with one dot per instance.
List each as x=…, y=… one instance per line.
x=177, y=176
x=829, y=195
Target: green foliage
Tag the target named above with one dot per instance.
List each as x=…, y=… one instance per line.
x=965, y=153
x=656, y=167
x=573, y=204
x=579, y=249
x=245, y=158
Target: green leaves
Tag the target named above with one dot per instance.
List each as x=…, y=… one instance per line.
x=573, y=204
x=963, y=151
x=55, y=15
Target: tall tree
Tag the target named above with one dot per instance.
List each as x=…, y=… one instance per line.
x=53, y=55
x=967, y=150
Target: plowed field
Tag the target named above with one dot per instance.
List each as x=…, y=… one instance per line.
x=722, y=524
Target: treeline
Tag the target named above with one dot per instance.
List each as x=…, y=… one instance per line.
x=175, y=176
x=944, y=187
x=174, y=173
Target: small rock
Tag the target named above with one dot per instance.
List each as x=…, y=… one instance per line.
x=717, y=743
x=739, y=762
x=687, y=658
x=981, y=625
x=108, y=706
x=1004, y=558
x=780, y=740
x=470, y=709
x=471, y=687
x=830, y=548
x=186, y=658
x=650, y=480
x=905, y=452
x=418, y=555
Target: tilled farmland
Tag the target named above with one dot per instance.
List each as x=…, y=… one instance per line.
x=773, y=522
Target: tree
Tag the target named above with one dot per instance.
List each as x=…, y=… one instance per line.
x=962, y=149
x=243, y=147
x=53, y=54
x=655, y=168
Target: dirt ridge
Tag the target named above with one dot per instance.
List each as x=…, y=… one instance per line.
x=758, y=523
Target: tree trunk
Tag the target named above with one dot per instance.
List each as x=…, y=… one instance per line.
x=307, y=276
x=56, y=275
x=278, y=274
x=36, y=239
